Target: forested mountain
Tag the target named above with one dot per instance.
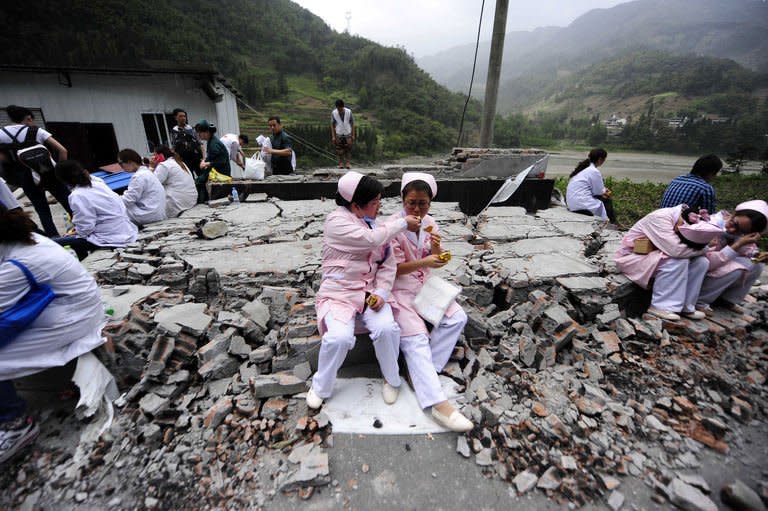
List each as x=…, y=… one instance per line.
x=734, y=29
x=262, y=46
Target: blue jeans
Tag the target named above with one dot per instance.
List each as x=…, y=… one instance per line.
x=11, y=405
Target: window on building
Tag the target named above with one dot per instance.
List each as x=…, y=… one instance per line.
x=157, y=128
x=36, y=112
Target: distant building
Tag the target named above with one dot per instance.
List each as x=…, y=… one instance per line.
x=95, y=112
x=615, y=125
x=716, y=118
x=677, y=122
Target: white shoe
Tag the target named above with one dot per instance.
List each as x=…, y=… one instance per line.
x=456, y=422
x=662, y=314
x=389, y=393
x=694, y=314
x=313, y=400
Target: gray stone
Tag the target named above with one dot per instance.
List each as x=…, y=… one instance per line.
x=220, y=367
x=740, y=496
x=583, y=284
x=623, y=328
x=549, y=480
x=258, y=311
x=688, y=498
x=271, y=385
x=151, y=432
x=189, y=317
x=462, y=447
x=151, y=403
x=214, y=229
x=694, y=480
x=484, y=458
x=525, y=481
x=616, y=500
x=302, y=371
x=239, y=348
x=313, y=471
x=300, y=452
x=261, y=354
x=219, y=345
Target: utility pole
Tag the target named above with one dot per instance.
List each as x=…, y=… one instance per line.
x=494, y=70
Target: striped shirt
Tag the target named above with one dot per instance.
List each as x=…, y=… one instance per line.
x=692, y=190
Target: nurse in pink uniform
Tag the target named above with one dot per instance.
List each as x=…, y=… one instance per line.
x=358, y=271
x=416, y=254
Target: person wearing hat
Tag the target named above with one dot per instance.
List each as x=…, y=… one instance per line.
x=358, y=271
x=216, y=157
x=731, y=270
x=416, y=253
x=672, y=264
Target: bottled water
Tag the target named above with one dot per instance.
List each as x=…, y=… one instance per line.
x=235, y=197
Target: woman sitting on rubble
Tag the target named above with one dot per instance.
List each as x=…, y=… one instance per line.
x=665, y=250
x=358, y=272
x=69, y=326
x=735, y=262
x=145, y=197
x=586, y=193
x=179, y=184
x=416, y=254
x=98, y=214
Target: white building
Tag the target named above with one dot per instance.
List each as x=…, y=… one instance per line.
x=95, y=112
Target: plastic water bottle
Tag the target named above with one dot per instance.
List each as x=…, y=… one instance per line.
x=109, y=311
x=68, y=226
x=235, y=197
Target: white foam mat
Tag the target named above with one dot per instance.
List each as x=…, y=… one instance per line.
x=357, y=403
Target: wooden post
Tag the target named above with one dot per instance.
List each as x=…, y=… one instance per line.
x=494, y=71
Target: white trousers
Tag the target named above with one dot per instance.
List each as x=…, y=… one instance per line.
x=677, y=283
x=426, y=356
x=339, y=338
x=732, y=287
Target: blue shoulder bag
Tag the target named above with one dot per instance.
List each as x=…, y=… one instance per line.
x=15, y=320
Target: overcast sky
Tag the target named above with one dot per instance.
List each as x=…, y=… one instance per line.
x=426, y=27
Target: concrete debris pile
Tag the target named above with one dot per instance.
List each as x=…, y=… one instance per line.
x=571, y=394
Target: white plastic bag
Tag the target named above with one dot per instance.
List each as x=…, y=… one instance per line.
x=237, y=170
x=434, y=298
x=254, y=167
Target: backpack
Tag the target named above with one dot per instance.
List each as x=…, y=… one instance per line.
x=27, y=153
x=187, y=146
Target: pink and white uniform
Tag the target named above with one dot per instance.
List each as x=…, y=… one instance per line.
x=426, y=354
x=356, y=259
x=677, y=269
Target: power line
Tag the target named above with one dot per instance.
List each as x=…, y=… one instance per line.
x=472, y=78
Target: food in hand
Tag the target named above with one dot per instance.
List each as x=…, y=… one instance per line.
x=371, y=300
x=445, y=256
x=429, y=228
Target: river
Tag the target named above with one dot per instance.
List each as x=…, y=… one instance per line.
x=654, y=167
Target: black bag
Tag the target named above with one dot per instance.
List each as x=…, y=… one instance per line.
x=21, y=155
x=187, y=146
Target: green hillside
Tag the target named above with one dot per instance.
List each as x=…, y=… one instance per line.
x=670, y=103
x=281, y=57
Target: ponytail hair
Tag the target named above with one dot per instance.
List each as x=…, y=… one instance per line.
x=594, y=155
x=167, y=152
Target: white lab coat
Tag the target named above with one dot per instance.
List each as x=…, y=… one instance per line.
x=145, y=198
x=100, y=216
x=582, y=189
x=68, y=327
x=180, y=191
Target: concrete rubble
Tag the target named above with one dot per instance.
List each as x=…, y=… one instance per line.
x=572, y=391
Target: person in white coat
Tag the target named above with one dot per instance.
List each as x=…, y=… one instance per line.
x=586, y=193
x=98, y=214
x=179, y=184
x=145, y=197
x=69, y=326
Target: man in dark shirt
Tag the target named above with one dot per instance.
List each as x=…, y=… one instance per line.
x=282, y=148
x=216, y=157
x=185, y=142
x=694, y=189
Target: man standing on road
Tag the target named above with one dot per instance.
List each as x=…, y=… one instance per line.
x=342, y=132
x=185, y=142
x=694, y=188
x=22, y=134
x=281, y=149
